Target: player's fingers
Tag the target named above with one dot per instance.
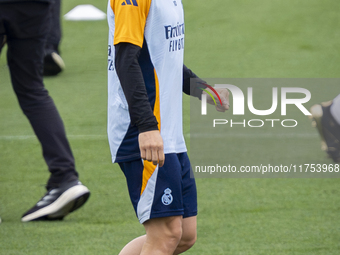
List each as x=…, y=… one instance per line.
x=223, y=107
x=155, y=162
x=161, y=158
x=225, y=99
x=225, y=104
x=143, y=154
x=158, y=156
x=155, y=158
x=210, y=100
x=220, y=108
x=148, y=155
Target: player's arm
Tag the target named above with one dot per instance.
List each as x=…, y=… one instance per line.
x=197, y=86
x=197, y=90
x=141, y=115
x=132, y=82
x=130, y=23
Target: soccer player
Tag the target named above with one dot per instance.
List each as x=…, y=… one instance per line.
x=146, y=77
x=326, y=118
x=26, y=25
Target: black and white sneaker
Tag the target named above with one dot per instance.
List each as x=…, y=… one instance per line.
x=58, y=202
x=328, y=128
x=53, y=64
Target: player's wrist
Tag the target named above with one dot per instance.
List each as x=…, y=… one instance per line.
x=146, y=128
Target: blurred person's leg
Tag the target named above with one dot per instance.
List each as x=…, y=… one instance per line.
x=26, y=26
x=335, y=109
x=326, y=118
x=53, y=63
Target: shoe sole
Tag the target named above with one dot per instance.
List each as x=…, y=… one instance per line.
x=69, y=201
x=53, y=64
x=58, y=60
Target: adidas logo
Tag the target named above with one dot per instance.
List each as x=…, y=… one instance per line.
x=128, y=2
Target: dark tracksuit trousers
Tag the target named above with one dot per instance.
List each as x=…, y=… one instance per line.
x=54, y=34
x=26, y=26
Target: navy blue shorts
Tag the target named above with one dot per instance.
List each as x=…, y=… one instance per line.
x=161, y=191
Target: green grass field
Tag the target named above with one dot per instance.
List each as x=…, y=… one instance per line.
x=238, y=39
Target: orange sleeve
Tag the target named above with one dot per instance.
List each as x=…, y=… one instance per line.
x=130, y=18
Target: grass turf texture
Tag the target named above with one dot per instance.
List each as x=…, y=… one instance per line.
x=286, y=39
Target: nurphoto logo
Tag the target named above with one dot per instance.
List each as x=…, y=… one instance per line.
x=238, y=107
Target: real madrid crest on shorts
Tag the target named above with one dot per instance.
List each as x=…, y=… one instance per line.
x=167, y=197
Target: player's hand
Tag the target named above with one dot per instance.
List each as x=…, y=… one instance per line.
x=151, y=147
x=224, y=95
